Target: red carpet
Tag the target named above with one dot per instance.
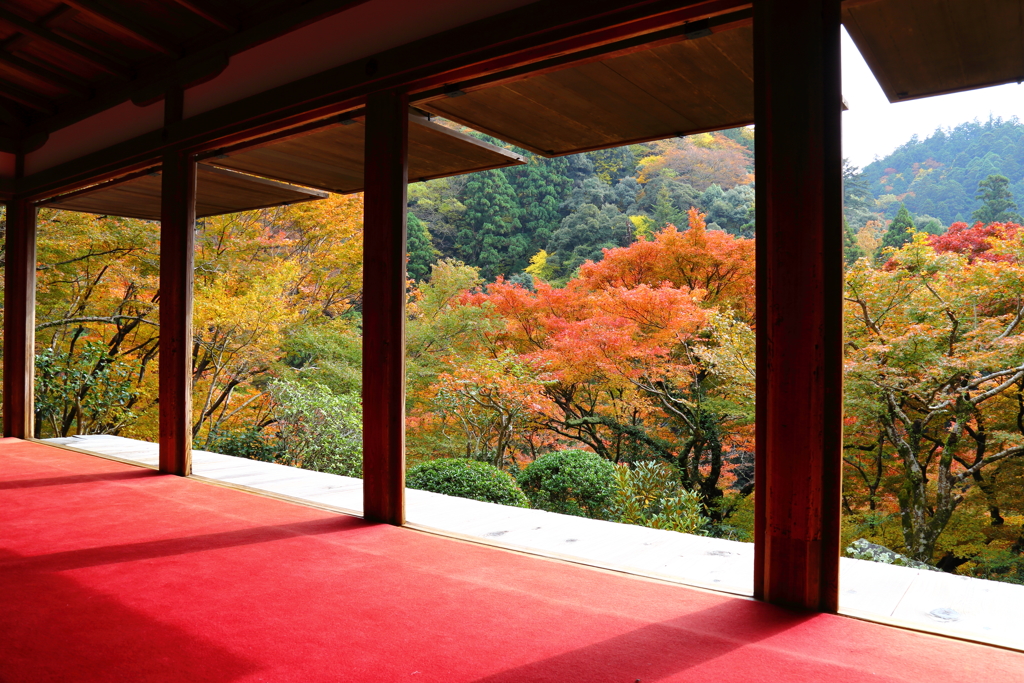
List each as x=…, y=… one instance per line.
x=115, y=573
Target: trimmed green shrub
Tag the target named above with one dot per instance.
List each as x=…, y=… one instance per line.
x=571, y=482
x=466, y=479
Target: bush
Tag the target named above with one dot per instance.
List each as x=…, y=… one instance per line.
x=571, y=482
x=248, y=443
x=650, y=494
x=318, y=429
x=466, y=479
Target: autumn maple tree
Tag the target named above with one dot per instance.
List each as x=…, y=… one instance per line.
x=935, y=382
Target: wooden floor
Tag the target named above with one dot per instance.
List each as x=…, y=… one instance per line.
x=986, y=611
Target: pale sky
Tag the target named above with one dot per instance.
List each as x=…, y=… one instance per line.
x=873, y=127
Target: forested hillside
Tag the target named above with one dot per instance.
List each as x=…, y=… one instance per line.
x=938, y=176
x=558, y=213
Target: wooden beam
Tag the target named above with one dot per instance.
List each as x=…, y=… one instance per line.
x=177, y=261
x=111, y=65
x=384, y=212
x=25, y=97
x=126, y=24
x=209, y=15
x=799, y=300
x=46, y=74
x=19, y=318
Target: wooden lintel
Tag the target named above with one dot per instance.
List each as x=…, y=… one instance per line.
x=799, y=302
x=384, y=254
x=19, y=318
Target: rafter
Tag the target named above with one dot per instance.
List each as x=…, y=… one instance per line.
x=214, y=18
x=110, y=65
x=48, y=75
x=126, y=24
x=26, y=97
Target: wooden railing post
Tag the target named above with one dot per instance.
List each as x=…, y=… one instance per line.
x=19, y=318
x=799, y=291
x=386, y=180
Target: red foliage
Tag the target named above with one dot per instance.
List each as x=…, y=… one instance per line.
x=975, y=241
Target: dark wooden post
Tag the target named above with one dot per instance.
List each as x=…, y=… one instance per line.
x=19, y=318
x=177, y=257
x=386, y=174
x=799, y=291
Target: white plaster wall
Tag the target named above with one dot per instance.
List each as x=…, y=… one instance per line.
x=117, y=124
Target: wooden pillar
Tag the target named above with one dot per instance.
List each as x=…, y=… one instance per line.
x=177, y=249
x=19, y=318
x=384, y=200
x=177, y=259
x=799, y=292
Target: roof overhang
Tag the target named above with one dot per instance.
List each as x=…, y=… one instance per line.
x=331, y=157
x=218, y=191
x=696, y=78
x=920, y=48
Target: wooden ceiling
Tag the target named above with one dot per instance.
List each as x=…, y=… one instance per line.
x=63, y=59
x=218, y=191
x=918, y=48
x=696, y=83
x=331, y=158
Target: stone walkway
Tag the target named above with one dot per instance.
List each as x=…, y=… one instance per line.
x=987, y=611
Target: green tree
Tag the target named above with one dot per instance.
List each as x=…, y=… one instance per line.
x=851, y=250
x=541, y=186
x=665, y=212
x=585, y=233
x=997, y=205
x=490, y=235
x=898, y=233
x=420, y=248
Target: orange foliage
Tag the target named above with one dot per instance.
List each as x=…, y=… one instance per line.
x=713, y=262
x=702, y=161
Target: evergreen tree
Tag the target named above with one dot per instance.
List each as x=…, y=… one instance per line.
x=490, y=235
x=584, y=234
x=665, y=211
x=419, y=247
x=851, y=250
x=897, y=235
x=858, y=204
x=997, y=201
x=541, y=186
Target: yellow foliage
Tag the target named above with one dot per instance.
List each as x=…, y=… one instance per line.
x=539, y=266
x=643, y=227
